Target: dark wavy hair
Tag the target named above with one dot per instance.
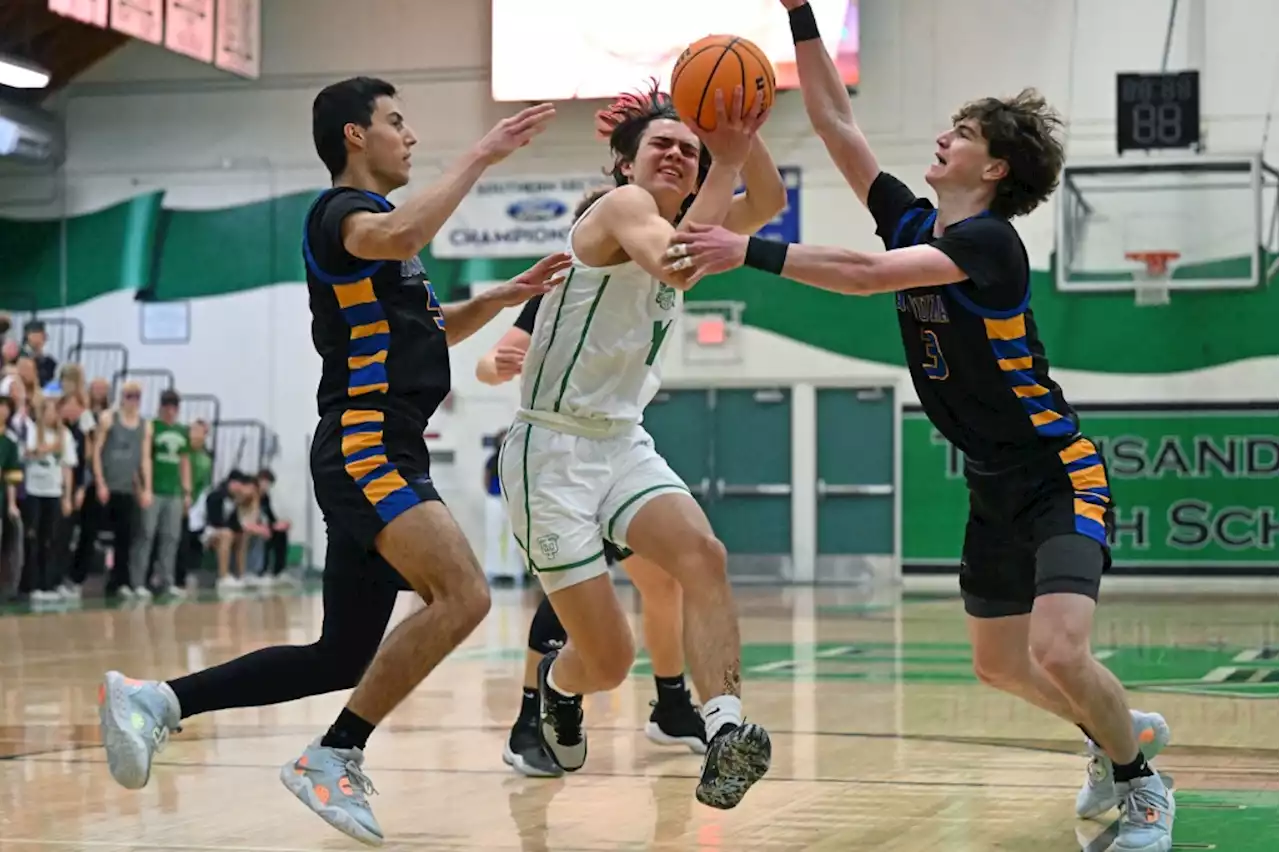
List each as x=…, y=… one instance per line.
x=624, y=123
x=1023, y=131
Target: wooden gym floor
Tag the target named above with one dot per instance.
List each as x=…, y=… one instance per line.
x=883, y=740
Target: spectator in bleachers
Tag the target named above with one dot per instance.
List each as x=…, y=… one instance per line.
x=200, y=460
x=255, y=532
x=25, y=370
x=277, y=556
x=222, y=531
x=76, y=418
x=99, y=397
x=70, y=380
x=161, y=518
x=34, y=342
x=11, y=518
x=122, y=480
x=9, y=352
x=16, y=389
x=49, y=461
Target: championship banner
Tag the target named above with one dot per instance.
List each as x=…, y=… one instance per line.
x=1195, y=486
x=514, y=217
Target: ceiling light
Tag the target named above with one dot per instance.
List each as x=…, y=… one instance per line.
x=18, y=74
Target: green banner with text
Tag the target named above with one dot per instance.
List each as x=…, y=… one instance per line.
x=1193, y=485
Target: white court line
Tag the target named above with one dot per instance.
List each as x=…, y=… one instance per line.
x=133, y=844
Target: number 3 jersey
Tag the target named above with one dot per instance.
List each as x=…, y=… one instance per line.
x=973, y=350
x=594, y=362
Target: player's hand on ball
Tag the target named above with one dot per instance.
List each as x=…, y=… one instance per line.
x=540, y=278
x=515, y=132
x=703, y=250
x=508, y=361
x=731, y=141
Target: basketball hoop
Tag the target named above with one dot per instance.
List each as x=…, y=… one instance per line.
x=1151, y=282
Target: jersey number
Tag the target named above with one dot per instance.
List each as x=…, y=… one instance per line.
x=935, y=366
x=659, y=335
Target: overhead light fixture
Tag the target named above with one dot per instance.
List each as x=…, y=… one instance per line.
x=18, y=74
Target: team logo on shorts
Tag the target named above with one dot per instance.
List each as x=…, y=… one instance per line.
x=666, y=297
x=549, y=545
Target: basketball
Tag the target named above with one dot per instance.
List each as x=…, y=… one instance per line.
x=720, y=62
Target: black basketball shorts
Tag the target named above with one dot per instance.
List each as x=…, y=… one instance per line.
x=368, y=467
x=1040, y=528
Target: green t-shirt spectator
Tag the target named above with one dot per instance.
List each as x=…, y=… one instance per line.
x=169, y=444
x=201, y=471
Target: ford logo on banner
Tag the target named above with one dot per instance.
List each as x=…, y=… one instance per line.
x=536, y=210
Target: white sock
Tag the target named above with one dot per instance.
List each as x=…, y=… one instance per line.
x=174, y=706
x=720, y=711
x=551, y=682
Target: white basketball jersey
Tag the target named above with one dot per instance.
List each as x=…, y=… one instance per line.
x=597, y=345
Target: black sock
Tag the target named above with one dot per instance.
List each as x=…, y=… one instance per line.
x=671, y=690
x=1088, y=735
x=1129, y=771
x=350, y=731
x=528, y=706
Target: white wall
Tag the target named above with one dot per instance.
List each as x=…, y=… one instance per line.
x=145, y=118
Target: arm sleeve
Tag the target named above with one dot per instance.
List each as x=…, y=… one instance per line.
x=990, y=252
x=329, y=249
x=889, y=199
x=525, y=321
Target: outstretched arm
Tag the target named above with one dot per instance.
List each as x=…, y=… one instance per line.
x=857, y=273
x=708, y=251
x=402, y=233
x=463, y=319
x=766, y=194
x=826, y=100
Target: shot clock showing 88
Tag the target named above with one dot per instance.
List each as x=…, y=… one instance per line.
x=1157, y=111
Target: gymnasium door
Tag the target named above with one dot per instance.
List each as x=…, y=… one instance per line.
x=733, y=447
x=855, y=483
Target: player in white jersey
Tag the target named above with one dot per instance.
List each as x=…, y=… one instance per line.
x=577, y=467
x=674, y=720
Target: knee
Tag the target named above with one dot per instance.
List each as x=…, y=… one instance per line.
x=1000, y=667
x=657, y=588
x=611, y=669
x=704, y=563
x=1060, y=652
x=466, y=600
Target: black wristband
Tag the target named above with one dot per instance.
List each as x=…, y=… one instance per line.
x=766, y=255
x=804, y=26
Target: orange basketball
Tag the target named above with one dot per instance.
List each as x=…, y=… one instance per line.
x=720, y=62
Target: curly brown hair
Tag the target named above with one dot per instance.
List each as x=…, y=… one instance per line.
x=1023, y=131
x=624, y=122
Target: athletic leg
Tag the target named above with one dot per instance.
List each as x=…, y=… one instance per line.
x=1069, y=568
x=650, y=511
x=523, y=750
x=372, y=476
x=674, y=720
x=356, y=612
x=554, y=485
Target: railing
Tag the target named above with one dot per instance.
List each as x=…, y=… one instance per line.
x=245, y=445
x=100, y=360
x=153, y=381
x=200, y=406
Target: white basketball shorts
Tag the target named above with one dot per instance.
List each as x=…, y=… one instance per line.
x=566, y=495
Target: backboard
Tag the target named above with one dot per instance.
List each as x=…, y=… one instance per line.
x=1214, y=213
